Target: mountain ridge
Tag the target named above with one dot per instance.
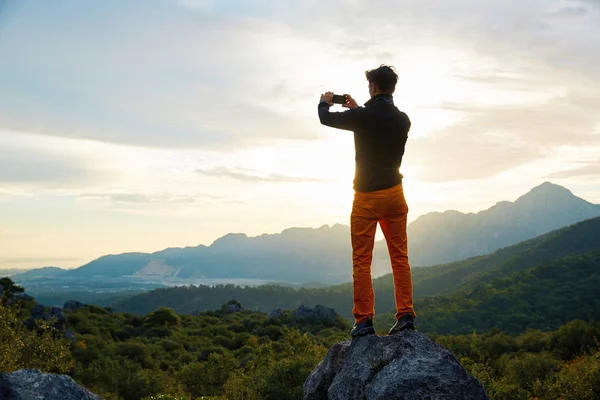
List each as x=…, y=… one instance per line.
x=303, y=254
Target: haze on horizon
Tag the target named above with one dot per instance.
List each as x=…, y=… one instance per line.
x=136, y=126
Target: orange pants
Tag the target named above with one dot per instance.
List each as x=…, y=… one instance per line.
x=389, y=208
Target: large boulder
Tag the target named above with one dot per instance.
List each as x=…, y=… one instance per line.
x=61, y=318
x=407, y=365
x=31, y=384
x=318, y=312
x=233, y=308
x=37, y=312
x=55, y=313
x=24, y=297
x=277, y=313
x=21, y=297
x=72, y=305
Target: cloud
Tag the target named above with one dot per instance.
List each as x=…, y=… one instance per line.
x=569, y=12
x=203, y=5
x=489, y=140
x=165, y=76
x=255, y=176
x=144, y=198
x=43, y=170
x=36, y=260
x=587, y=170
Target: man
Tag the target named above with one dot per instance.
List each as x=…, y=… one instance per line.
x=380, y=134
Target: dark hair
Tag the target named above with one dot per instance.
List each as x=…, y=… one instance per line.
x=384, y=77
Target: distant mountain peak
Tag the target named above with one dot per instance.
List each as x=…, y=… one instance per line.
x=550, y=188
x=548, y=191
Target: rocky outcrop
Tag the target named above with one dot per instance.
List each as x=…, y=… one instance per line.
x=317, y=312
x=72, y=305
x=21, y=297
x=232, y=308
x=55, y=314
x=407, y=365
x=277, y=313
x=31, y=384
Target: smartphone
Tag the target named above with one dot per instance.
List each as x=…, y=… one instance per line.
x=339, y=99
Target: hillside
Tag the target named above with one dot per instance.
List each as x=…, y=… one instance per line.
x=438, y=238
x=543, y=297
x=39, y=273
x=578, y=239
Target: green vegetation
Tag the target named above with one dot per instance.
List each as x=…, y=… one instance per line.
x=41, y=348
x=543, y=297
x=239, y=355
x=563, y=364
x=242, y=355
x=245, y=355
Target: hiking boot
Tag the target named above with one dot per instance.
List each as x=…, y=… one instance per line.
x=407, y=321
x=364, y=328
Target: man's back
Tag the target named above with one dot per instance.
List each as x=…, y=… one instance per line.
x=380, y=134
x=380, y=141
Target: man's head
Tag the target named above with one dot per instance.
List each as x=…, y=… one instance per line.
x=382, y=80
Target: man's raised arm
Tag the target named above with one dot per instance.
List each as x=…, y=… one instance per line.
x=347, y=120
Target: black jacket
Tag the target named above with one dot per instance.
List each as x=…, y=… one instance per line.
x=380, y=133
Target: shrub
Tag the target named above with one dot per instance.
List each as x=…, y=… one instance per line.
x=42, y=348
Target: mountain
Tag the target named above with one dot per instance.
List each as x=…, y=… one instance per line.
x=304, y=254
x=438, y=238
x=295, y=255
x=38, y=273
x=572, y=241
x=11, y=271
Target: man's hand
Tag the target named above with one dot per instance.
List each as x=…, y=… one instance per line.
x=328, y=97
x=350, y=102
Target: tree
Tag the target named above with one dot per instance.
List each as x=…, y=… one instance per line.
x=162, y=317
x=9, y=288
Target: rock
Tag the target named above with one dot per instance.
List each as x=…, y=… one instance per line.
x=61, y=318
x=407, y=365
x=31, y=384
x=278, y=313
x=233, y=308
x=37, y=312
x=72, y=305
x=317, y=312
x=1, y=291
x=20, y=297
x=24, y=297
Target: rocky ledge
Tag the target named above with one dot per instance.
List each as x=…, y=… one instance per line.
x=407, y=365
x=31, y=384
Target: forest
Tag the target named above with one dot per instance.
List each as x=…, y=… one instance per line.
x=233, y=353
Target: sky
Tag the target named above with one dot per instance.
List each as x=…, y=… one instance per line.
x=130, y=125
